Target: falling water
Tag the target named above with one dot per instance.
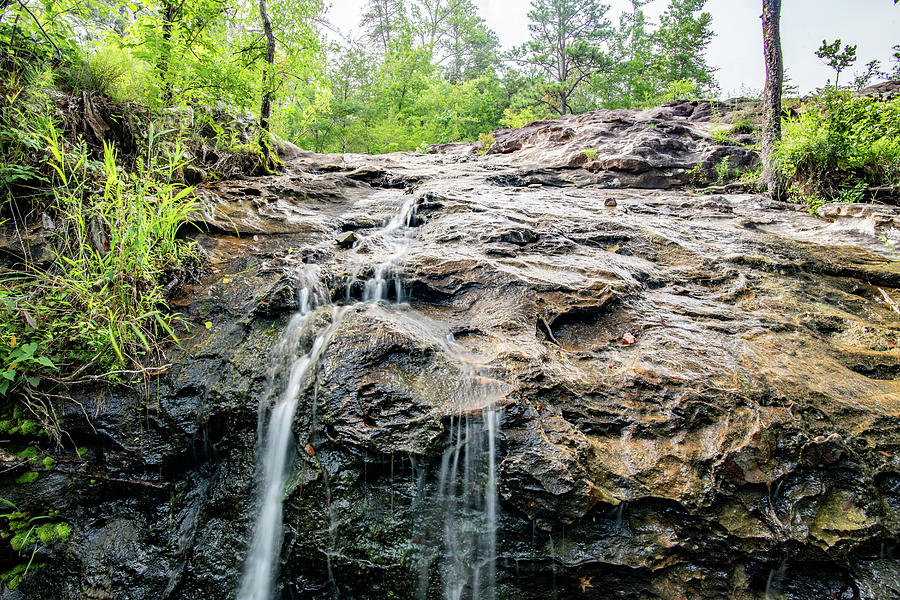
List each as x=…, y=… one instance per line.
x=466, y=495
x=275, y=436
x=395, y=235
x=466, y=501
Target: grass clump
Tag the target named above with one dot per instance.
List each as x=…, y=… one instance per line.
x=95, y=303
x=839, y=147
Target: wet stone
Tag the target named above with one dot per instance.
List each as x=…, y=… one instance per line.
x=695, y=398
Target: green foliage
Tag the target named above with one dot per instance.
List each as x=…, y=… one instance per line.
x=837, y=58
x=590, y=153
x=99, y=303
x=683, y=36
x=839, y=146
x=27, y=534
x=485, y=142
x=723, y=170
x=518, y=118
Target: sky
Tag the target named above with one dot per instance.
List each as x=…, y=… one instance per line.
x=874, y=25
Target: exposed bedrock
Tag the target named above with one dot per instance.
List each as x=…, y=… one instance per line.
x=701, y=393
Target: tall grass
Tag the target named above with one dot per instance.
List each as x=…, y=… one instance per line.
x=98, y=306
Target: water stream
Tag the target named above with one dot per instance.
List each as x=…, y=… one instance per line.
x=466, y=498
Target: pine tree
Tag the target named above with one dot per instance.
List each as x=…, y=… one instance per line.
x=682, y=39
x=565, y=45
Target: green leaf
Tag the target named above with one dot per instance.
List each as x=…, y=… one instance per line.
x=45, y=361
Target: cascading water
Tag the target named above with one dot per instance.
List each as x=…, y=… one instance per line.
x=275, y=438
x=467, y=483
x=467, y=488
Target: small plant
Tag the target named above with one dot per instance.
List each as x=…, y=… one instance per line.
x=721, y=136
x=98, y=305
x=723, y=170
x=26, y=535
x=485, y=142
x=590, y=153
x=744, y=124
x=695, y=175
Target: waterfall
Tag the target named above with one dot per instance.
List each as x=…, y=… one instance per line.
x=467, y=491
x=465, y=500
x=467, y=488
x=275, y=437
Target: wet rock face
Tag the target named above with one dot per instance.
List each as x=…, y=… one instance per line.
x=701, y=393
x=665, y=147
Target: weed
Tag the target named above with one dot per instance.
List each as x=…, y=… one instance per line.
x=721, y=136
x=590, y=153
x=485, y=142
x=723, y=170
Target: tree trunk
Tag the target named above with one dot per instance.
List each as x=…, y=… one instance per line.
x=771, y=132
x=168, y=24
x=265, y=105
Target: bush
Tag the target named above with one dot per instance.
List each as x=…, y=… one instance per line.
x=839, y=146
x=112, y=72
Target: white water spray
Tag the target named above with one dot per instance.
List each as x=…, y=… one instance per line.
x=275, y=436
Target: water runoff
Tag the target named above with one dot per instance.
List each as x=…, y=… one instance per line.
x=459, y=515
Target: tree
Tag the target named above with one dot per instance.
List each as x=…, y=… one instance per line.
x=865, y=78
x=628, y=84
x=426, y=17
x=895, y=58
x=466, y=46
x=383, y=21
x=683, y=36
x=771, y=132
x=837, y=59
x=265, y=105
x=565, y=45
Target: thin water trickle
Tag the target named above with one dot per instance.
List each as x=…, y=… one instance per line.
x=466, y=495
x=466, y=544
x=274, y=439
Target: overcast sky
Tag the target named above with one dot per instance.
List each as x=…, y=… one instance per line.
x=874, y=25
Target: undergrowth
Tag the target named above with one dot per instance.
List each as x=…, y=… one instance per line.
x=841, y=147
x=92, y=305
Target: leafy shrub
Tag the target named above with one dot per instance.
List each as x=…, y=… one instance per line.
x=839, y=146
x=485, y=142
x=518, y=118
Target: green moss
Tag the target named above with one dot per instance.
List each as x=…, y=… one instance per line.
x=28, y=477
x=81, y=451
x=48, y=462
x=63, y=531
x=26, y=427
x=29, y=452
